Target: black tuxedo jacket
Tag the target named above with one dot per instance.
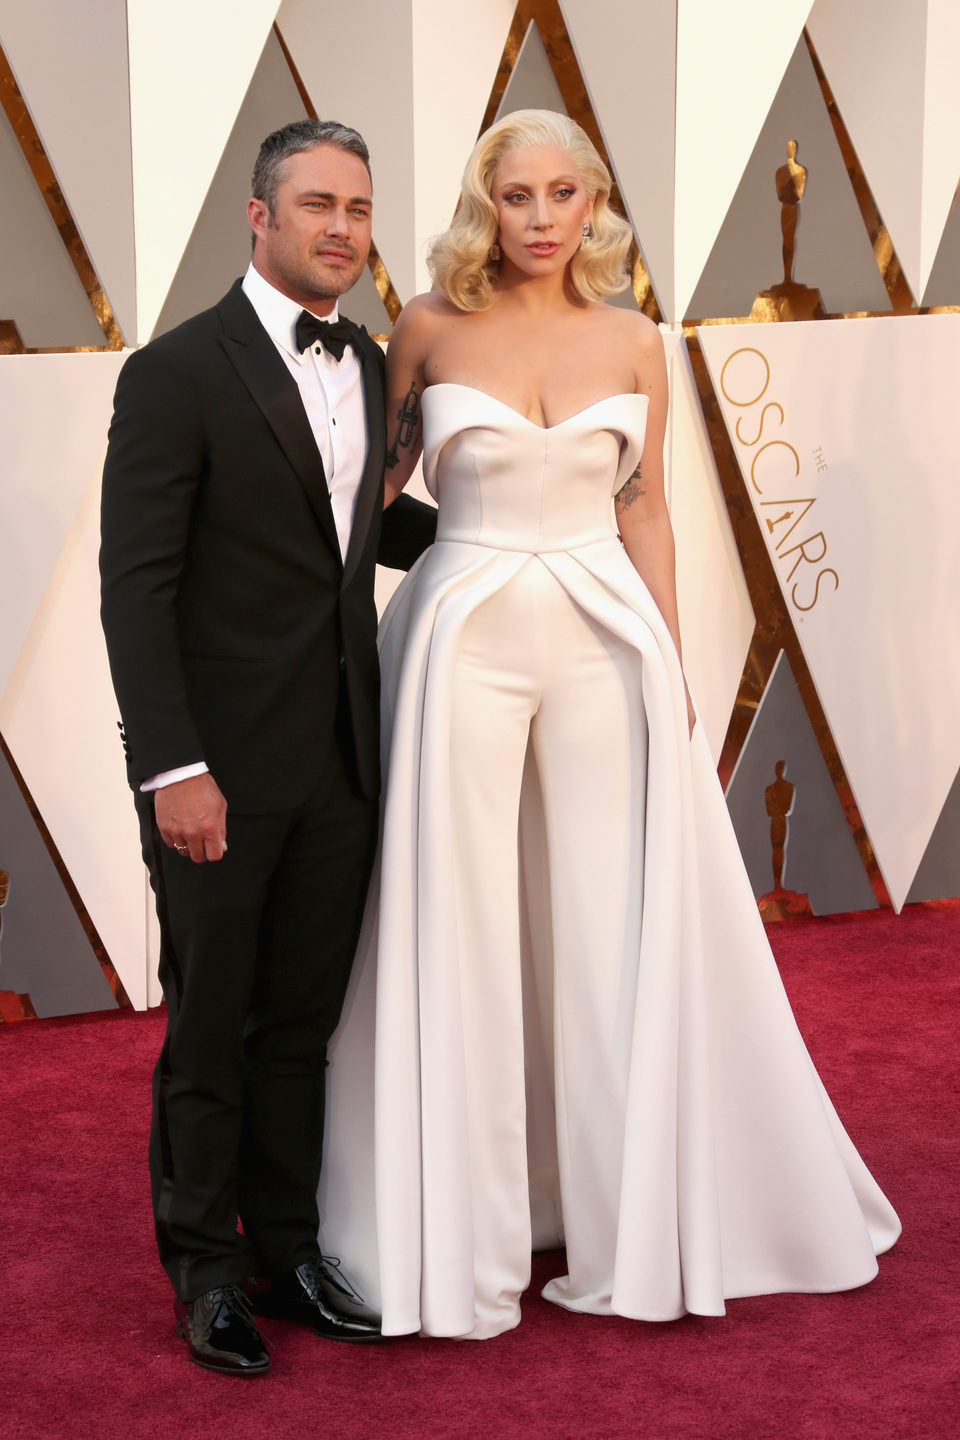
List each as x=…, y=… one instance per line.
x=229, y=616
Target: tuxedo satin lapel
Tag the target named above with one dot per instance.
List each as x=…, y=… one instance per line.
x=370, y=493
x=273, y=389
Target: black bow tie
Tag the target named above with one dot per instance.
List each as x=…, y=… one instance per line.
x=334, y=336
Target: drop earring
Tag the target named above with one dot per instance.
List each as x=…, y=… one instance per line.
x=494, y=252
x=586, y=233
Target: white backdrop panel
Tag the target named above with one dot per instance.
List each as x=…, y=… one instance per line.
x=456, y=51
x=54, y=412
x=71, y=63
x=190, y=66
x=59, y=717
x=846, y=434
x=716, y=617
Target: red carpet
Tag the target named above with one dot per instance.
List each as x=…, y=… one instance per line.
x=89, y=1348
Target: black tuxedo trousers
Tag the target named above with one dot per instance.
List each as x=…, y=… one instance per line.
x=238, y=635
x=256, y=952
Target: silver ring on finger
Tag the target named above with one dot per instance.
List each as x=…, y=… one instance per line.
x=182, y=849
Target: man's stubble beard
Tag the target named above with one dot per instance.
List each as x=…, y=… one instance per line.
x=330, y=284
x=295, y=274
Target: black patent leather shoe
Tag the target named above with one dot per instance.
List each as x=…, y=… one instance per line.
x=220, y=1332
x=318, y=1294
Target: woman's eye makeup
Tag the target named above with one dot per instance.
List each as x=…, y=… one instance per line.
x=516, y=197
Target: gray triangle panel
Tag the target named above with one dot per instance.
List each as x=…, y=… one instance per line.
x=938, y=877
x=532, y=84
x=39, y=288
x=822, y=860
x=44, y=949
x=943, y=286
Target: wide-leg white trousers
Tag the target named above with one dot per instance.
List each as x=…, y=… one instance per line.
x=546, y=702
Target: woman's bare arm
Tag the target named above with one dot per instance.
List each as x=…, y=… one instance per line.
x=406, y=354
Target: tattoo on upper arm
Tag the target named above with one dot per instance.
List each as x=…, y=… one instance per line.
x=408, y=415
x=632, y=491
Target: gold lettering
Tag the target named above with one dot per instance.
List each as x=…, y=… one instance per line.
x=803, y=556
x=816, y=589
x=770, y=405
x=745, y=350
x=770, y=445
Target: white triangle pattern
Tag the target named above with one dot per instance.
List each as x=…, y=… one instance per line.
x=730, y=61
x=54, y=412
x=448, y=102
x=190, y=66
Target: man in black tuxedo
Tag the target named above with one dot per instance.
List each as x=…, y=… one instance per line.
x=242, y=501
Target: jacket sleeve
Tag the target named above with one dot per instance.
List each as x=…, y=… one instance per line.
x=407, y=528
x=154, y=464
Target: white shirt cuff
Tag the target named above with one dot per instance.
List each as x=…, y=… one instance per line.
x=170, y=777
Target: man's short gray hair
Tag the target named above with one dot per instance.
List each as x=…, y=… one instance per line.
x=291, y=139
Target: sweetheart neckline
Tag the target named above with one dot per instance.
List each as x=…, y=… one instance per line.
x=475, y=390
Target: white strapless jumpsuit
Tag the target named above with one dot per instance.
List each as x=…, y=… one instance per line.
x=565, y=1023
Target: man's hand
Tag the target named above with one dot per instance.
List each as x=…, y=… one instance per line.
x=192, y=818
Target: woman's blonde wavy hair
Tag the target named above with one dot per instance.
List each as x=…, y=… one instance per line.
x=459, y=260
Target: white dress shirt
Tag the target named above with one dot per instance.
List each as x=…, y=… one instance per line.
x=332, y=395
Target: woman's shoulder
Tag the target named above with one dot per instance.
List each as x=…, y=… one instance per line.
x=637, y=334
x=426, y=311
x=420, y=320
x=632, y=325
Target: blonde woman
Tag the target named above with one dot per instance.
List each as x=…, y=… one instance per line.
x=581, y=1036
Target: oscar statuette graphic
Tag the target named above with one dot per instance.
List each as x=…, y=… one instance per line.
x=789, y=300
x=778, y=903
